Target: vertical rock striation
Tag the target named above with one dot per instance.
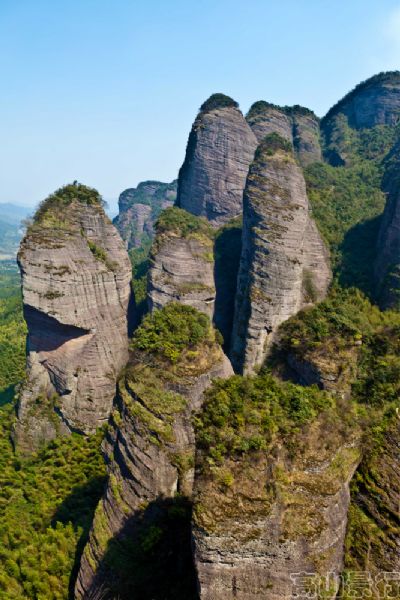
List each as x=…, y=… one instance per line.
x=220, y=149
x=150, y=455
x=182, y=263
x=296, y=124
x=284, y=263
x=76, y=290
x=139, y=208
x=281, y=513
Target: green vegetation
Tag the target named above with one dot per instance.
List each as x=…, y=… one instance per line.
x=168, y=332
x=261, y=107
x=140, y=266
x=12, y=333
x=218, y=101
x=46, y=509
x=346, y=203
x=241, y=414
x=273, y=142
x=51, y=209
x=179, y=221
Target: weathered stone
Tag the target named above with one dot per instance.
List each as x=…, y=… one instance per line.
x=297, y=124
x=283, y=513
x=220, y=149
x=150, y=454
x=139, y=208
x=284, y=263
x=76, y=290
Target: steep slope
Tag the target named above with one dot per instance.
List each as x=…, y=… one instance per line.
x=139, y=208
x=76, y=290
x=182, y=262
x=297, y=124
x=219, y=151
x=387, y=263
x=271, y=493
x=150, y=452
x=284, y=263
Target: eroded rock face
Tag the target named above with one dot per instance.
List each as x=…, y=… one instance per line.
x=298, y=125
x=283, y=513
x=182, y=270
x=375, y=101
x=220, y=149
x=373, y=533
x=139, y=208
x=150, y=455
x=284, y=263
x=76, y=291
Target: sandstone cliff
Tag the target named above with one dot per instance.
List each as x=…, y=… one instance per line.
x=182, y=263
x=139, y=208
x=284, y=263
x=373, y=104
x=76, y=290
x=220, y=149
x=297, y=124
x=150, y=447
x=269, y=505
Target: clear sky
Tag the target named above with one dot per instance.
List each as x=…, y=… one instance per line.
x=105, y=91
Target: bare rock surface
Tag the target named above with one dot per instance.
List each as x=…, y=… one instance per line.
x=76, y=291
x=182, y=268
x=284, y=263
x=139, y=208
x=150, y=455
x=283, y=514
x=220, y=149
x=297, y=124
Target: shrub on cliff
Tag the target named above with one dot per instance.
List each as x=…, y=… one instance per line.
x=169, y=331
x=218, y=101
x=179, y=221
x=64, y=196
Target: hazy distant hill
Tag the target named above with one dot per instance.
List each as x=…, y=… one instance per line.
x=11, y=216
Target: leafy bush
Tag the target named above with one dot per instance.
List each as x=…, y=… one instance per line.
x=241, y=414
x=272, y=143
x=169, y=331
x=218, y=101
x=179, y=221
x=75, y=192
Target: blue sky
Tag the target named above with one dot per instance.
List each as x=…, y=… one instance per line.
x=105, y=91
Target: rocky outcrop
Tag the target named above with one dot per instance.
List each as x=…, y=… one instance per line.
x=373, y=536
x=150, y=456
x=284, y=263
x=375, y=101
x=76, y=290
x=264, y=520
x=139, y=208
x=220, y=149
x=182, y=263
x=297, y=124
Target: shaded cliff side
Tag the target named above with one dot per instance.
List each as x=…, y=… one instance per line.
x=182, y=262
x=271, y=493
x=139, y=208
x=284, y=263
x=297, y=124
x=387, y=263
x=150, y=455
x=219, y=151
x=76, y=291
